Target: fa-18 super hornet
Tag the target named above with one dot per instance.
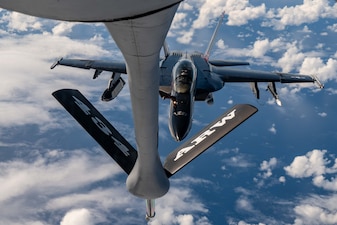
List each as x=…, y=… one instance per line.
x=185, y=78
x=139, y=29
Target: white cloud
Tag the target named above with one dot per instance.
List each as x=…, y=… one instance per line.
x=185, y=37
x=241, y=12
x=20, y=22
x=291, y=58
x=209, y=9
x=239, y=160
x=319, y=46
x=23, y=113
x=333, y=27
x=267, y=167
x=315, y=215
x=323, y=114
x=35, y=183
x=260, y=48
x=282, y=179
x=308, y=12
x=245, y=204
x=179, y=21
x=311, y=164
x=83, y=187
x=221, y=44
x=325, y=71
x=175, y=207
x=78, y=216
x=314, y=164
x=306, y=29
x=186, y=6
x=273, y=129
x=20, y=178
x=321, y=181
x=316, y=210
x=63, y=28
x=185, y=220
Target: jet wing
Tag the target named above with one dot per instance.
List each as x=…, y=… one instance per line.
x=192, y=148
x=98, y=65
x=98, y=127
x=238, y=75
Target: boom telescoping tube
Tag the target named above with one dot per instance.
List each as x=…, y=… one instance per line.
x=150, y=209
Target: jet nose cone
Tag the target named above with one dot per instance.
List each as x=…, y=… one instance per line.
x=179, y=137
x=180, y=134
x=180, y=127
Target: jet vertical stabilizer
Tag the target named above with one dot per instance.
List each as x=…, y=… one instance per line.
x=211, y=43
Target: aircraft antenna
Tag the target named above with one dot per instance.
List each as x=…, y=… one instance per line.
x=211, y=43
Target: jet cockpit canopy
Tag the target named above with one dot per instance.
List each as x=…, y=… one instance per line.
x=184, y=75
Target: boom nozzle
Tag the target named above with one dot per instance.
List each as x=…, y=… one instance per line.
x=150, y=209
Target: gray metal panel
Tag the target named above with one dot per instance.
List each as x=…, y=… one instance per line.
x=87, y=10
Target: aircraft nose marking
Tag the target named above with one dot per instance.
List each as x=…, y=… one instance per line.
x=180, y=113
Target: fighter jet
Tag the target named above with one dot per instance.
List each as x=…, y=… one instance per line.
x=189, y=77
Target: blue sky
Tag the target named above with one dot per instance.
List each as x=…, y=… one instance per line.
x=279, y=167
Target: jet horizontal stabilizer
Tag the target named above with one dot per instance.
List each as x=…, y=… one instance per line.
x=196, y=145
x=98, y=127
